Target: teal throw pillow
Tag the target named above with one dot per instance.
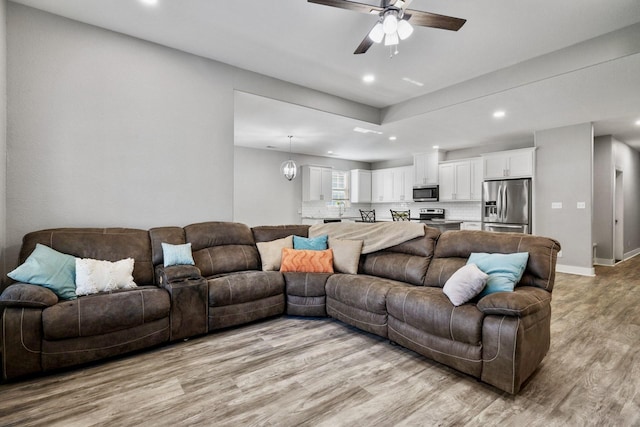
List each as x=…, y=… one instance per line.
x=49, y=268
x=177, y=254
x=504, y=270
x=310, y=243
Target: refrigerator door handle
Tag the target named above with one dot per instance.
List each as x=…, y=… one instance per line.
x=505, y=202
x=499, y=202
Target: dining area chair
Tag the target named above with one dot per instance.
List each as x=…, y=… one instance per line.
x=368, y=216
x=400, y=215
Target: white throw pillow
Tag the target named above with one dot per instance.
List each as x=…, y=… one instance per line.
x=465, y=284
x=346, y=254
x=93, y=276
x=271, y=252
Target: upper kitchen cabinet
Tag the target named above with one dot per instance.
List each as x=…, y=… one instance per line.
x=392, y=185
x=425, y=167
x=316, y=183
x=460, y=180
x=509, y=164
x=360, y=186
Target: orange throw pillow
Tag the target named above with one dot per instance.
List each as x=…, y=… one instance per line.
x=307, y=261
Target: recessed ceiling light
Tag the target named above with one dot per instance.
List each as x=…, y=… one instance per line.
x=637, y=122
x=363, y=130
x=413, y=82
x=368, y=78
x=150, y=2
x=499, y=114
x=329, y=152
x=435, y=147
x=393, y=138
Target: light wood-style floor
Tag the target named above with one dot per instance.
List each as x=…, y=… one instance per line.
x=295, y=371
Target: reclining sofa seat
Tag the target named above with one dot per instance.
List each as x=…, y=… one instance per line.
x=361, y=300
x=500, y=338
x=41, y=333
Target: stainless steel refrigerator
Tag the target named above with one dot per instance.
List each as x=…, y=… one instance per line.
x=507, y=206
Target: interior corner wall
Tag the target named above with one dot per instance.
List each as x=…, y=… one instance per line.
x=108, y=130
x=262, y=196
x=3, y=138
x=627, y=160
x=564, y=174
x=603, y=175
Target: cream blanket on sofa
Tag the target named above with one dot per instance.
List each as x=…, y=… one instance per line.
x=376, y=236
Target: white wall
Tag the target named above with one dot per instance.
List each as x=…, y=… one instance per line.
x=564, y=173
x=262, y=196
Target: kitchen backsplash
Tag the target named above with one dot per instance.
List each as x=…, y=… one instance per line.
x=465, y=211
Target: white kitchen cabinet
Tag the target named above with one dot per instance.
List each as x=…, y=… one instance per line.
x=316, y=183
x=392, y=185
x=402, y=184
x=360, y=186
x=425, y=167
x=455, y=180
x=509, y=164
x=477, y=177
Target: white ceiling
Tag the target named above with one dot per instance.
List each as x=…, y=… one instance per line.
x=312, y=45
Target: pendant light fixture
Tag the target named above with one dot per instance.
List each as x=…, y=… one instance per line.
x=288, y=167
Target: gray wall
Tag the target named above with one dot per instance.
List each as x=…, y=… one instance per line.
x=564, y=164
x=627, y=160
x=108, y=130
x=603, y=176
x=3, y=136
x=611, y=155
x=262, y=196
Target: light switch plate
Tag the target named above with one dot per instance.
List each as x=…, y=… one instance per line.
x=556, y=205
x=581, y=205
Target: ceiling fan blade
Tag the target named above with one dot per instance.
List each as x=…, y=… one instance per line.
x=426, y=19
x=349, y=5
x=364, y=45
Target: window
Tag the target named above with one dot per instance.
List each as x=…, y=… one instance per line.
x=339, y=188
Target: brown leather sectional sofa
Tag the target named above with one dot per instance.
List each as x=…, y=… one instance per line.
x=500, y=339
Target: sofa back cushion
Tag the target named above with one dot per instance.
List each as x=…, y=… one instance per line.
x=222, y=247
x=267, y=233
x=160, y=235
x=108, y=244
x=407, y=262
x=454, y=248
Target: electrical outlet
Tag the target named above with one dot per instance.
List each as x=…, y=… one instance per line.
x=556, y=205
x=581, y=205
x=559, y=254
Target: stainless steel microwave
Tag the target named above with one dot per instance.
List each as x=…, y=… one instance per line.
x=425, y=193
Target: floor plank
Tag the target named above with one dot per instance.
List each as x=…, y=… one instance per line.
x=293, y=371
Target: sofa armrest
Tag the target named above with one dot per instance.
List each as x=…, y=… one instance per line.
x=523, y=301
x=27, y=296
x=177, y=273
x=189, y=293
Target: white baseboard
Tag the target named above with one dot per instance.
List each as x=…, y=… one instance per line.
x=631, y=254
x=570, y=269
x=604, y=261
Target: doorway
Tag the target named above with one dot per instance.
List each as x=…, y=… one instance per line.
x=618, y=218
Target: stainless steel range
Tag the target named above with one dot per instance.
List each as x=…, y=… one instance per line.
x=431, y=213
x=435, y=217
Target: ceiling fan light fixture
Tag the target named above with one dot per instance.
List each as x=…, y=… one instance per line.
x=391, y=39
x=377, y=33
x=404, y=29
x=390, y=24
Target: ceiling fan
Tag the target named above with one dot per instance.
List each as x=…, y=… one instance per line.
x=394, y=22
